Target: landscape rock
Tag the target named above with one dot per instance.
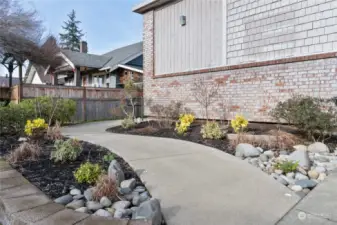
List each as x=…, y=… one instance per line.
x=318, y=147
x=320, y=169
x=111, y=210
x=264, y=158
x=121, y=205
x=302, y=157
x=300, y=148
x=299, y=176
x=75, y=204
x=313, y=174
x=296, y=188
x=75, y=192
x=103, y=213
x=321, y=177
x=269, y=153
x=139, y=189
x=290, y=175
x=301, y=170
x=278, y=172
x=306, y=190
x=282, y=181
x=128, y=185
x=246, y=150
x=115, y=171
x=306, y=183
x=119, y=213
x=288, y=179
x=94, y=206
x=284, y=152
x=260, y=149
x=82, y=210
x=136, y=200
x=22, y=139
x=105, y=201
x=88, y=194
x=78, y=197
x=149, y=210
x=144, y=196
x=282, y=158
x=64, y=200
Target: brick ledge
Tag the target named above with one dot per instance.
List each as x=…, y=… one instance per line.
x=251, y=65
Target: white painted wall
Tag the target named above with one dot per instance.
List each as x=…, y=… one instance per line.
x=36, y=79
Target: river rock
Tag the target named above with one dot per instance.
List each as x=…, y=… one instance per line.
x=321, y=177
x=246, y=150
x=306, y=183
x=260, y=149
x=282, y=181
x=290, y=175
x=78, y=197
x=264, y=158
x=296, y=188
x=94, y=206
x=269, y=153
x=119, y=213
x=299, y=176
x=302, y=157
x=115, y=171
x=278, y=172
x=318, y=147
x=105, y=202
x=64, y=200
x=149, y=210
x=103, y=213
x=139, y=189
x=313, y=174
x=288, y=179
x=320, y=169
x=301, y=170
x=128, y=185
x=82, y=210
x=121, y=205
x=75, y=204
x=75, y=191
x=111, y=210
x=88, y=194
x=300, y=148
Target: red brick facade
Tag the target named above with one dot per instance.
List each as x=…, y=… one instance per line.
x=251, y=89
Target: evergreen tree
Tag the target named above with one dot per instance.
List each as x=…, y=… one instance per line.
x=72, y=35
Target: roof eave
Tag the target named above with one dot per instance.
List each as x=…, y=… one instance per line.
x=149, y=5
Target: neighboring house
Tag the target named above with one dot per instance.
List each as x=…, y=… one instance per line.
x=258, y=52
x=4, y=81
x=36, y=74
x=107, y=70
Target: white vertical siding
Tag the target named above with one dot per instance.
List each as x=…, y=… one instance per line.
x=197, y=45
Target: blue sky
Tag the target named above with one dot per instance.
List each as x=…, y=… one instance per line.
x=107, y=24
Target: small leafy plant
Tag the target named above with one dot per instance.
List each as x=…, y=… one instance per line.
x=286, y=166
x=211, y=130
x=88, y=173
x=67, y=150
x=185, y=121
x=109, y=157
x=239, y=123
x=36, y=128
x=128, y=123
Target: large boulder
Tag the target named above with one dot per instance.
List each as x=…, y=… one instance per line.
x=306, y=183
x=302, y=157
x=115, y=172
x=246, y=150
x=128, y=185
x=149, y=210
x=318, y=147
x=64, y=200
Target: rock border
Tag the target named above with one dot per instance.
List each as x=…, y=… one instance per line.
x=23, y=203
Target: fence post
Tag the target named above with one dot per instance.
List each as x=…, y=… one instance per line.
x=84, y=104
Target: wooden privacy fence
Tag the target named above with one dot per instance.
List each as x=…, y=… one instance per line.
x=91, y=103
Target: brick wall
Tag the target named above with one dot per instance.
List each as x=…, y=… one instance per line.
x=272, y=29
x=249, y=89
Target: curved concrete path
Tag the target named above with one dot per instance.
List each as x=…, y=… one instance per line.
x=197, y=185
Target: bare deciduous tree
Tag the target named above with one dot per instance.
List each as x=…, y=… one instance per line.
x=205, y=93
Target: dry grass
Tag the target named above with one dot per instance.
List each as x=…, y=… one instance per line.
x=25, y=151
x=105, y=186
x=275, y=139
x=54, y=133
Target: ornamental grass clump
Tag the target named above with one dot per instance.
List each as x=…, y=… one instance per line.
x=67, y=150
x=239, y=124
x=211, y=130
x=88, y=173
x=36, y=128
x=105, y=186
x=26, y=151
x=185, y=121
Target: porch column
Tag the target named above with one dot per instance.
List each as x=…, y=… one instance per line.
x=77, y=77
x=55, y=80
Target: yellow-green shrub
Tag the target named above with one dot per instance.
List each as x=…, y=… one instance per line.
x=185, y=121
x=36, y=127
x=211, y=130
x=88, y=173
x=239, y=123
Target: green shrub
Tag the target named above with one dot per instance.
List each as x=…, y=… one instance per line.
x=308, y=114
x=128, y=123
x=286, y=166
x=211, y=130
x=88, y=173
x=109, y=157
x=57, y=109
x=13, y=119
x=67, y=150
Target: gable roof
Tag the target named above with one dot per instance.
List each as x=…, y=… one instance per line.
x=40, y=71
x=107, y=61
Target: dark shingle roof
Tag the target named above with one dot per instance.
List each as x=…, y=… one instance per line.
x=110, y=59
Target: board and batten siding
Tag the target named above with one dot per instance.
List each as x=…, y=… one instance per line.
x=198, y=44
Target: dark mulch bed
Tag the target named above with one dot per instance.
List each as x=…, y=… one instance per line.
x=55, y=179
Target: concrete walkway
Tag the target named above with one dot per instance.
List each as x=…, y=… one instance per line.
x=197, y=185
